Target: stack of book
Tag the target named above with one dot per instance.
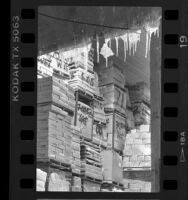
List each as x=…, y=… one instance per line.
x=91, y=161
x=116, y=129
x=76, y=184
x=53, y=134
x=112, y=85
x=112, y=166
x=139, y=92
x=112, y=88
x=56, y=102
x=89, y=186
x=84, y=119
x=82, y=80
x=130, y=119
x=99, y=114
x=96, y=84
x=111, y=75
x=79, y=58
x=114, y=98
x=75, y=145
x=142, y=113
x=100, y=135
x=137, y=151
x=41, y=180
x=99, y=124
x=58, y=181
x=140, y=100
x=82, y=76
x=55, y=91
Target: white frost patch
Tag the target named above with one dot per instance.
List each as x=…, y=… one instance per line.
x=106, y=51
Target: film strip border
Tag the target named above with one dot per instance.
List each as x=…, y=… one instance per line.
x=23, y=102
x=24, y=48
x=174, y=136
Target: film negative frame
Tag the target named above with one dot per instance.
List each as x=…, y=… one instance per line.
x=174, y=108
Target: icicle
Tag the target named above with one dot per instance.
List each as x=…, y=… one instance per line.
x=130, y=44
x=117, y=45
x=125, y=43
x=109, y=43
x=133, y=39
x=97, y=48
x=134, y=48
x=130, y=41
x=149, y=41
x=106, y=61
x=125, y=46
x=149, y=32
x=125, y=49
x=146, y=53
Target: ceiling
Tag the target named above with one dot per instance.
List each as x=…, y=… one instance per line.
x=53, y=33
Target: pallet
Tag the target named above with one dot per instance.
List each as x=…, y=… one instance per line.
x=111, y=110
x=90, y=158
x=110, y=184
x=102, y=144
x=89, y=142
x=76, y=174
x=55, y=164
x=92, y=179
x=69, y=111
x=60, y=74
x=93, y=164
x=100, y=98
x=109, y=84
x=119, y=151
x=84, y=94
x=99, y=122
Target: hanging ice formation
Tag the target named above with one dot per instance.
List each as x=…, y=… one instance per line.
x=134, y=38
x=149, y=32
x=117, y=45
x=125, y=44
x=110, y=43
x=130, y=40
x=107, y=41
x=97, y=48
x=106, y=51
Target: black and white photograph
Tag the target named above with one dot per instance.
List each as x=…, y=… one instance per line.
x=98, y=99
